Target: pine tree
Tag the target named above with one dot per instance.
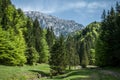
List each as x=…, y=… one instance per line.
x=31, y=53
x=40, y=42
x=84, y=57
x=58, y=57
x=50, y=37
x=104, y=15
x=44, y=49
x=118, y=7
x=72, y=56
x=32, y=56
x=37, y=33
x=107, y=46
x=12, y=49
x=5, y=6
x=12, y=24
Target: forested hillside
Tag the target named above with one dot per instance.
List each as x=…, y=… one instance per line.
x=86, y=40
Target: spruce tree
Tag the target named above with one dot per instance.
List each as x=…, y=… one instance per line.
x=37, y=33
x=72, y=55
x=50, y=37
x=32, y=56
x=12, y=48
x=84, y=55
x=12, y=23
x=44, y=49
x=107, y=50
x=58, y=57
x=31, y=53
x=41, y=45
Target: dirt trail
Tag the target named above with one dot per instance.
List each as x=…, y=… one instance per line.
x=109, y=72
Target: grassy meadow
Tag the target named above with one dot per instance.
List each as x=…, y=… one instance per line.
x=41, y=72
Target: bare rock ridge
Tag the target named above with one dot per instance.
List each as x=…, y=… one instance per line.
x=60, y=26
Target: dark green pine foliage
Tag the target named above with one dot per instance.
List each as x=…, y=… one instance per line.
x=85, y=41
x=4, y=4
x=108, y=48
x=35, y=38
x=58, y=57
x=84, y=55
x=40, y=42
x=31, y=53
x=37, y=33
x=72, y=55
x=32, y=56
x=117, y=34
x=28, y=33
x=50, y=37
x=12, y=24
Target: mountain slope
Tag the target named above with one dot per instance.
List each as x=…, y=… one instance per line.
x=59, y=25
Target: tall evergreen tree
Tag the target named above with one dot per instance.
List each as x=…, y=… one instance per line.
x=50, y=37
x=58, y=57
x=107, y=46
x=12, y=24
x=44, y=52
x=31, y=53
x=40, y=42
x=37, y=33
x=84, y=56
x=72, y=55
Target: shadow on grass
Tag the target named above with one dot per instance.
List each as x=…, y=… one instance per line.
x=43, y=74
x=75, y=74
x=69, y=74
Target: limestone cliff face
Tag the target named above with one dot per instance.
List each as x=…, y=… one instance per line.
x=59, y=25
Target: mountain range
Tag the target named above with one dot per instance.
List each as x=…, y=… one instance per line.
x=60, y=26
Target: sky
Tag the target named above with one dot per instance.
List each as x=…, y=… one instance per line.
x=81, y=11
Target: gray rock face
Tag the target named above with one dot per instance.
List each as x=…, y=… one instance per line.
x=60, y=26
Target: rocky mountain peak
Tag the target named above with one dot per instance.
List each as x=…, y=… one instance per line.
x=60, y=26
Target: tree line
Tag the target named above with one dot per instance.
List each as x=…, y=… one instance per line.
x=98, y=43
x=108, y=47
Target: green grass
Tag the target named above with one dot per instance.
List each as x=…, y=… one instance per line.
x=22, y=73
x=86, y=74
x=31, y=72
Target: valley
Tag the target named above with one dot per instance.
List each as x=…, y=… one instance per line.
x=38, y=46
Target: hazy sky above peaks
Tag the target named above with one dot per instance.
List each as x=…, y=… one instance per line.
x=81, y=11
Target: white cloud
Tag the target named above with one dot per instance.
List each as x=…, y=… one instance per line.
x=95, y=5
x=77, y=5
x=56, y=7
